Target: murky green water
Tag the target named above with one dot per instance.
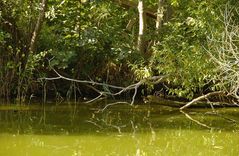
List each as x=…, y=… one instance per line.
x=80, y=130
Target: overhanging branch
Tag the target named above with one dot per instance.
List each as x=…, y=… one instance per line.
x=135, y=86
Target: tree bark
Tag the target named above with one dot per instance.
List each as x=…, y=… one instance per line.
x=159, y=19
x=150, y=12
x=142, y=28
x=38, y=25
x=160, y=14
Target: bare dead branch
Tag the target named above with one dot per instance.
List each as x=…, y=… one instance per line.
x=201, y=98
x=224, y=51
x=96, y=98
x=135, y=86
x=59, y=76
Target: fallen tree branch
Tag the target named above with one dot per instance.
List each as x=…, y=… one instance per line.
x=96, y=98
x=59, y=76
x=201, y=98
x=135, y=86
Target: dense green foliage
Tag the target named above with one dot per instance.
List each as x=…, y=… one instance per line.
x=96, y=40
x=181, y=53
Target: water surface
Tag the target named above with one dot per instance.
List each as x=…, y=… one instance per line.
x=80, y=129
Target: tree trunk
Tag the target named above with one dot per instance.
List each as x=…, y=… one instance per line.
x=160, y=14
x=150, y=12
x=159, y=19
x=142, y=28
x=38, y=25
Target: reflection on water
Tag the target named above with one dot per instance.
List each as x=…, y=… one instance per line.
x=75, y=130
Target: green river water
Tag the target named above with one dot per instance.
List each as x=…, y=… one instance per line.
x=120, y=130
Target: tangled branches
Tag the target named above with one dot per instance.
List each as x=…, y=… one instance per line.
x=224, y=51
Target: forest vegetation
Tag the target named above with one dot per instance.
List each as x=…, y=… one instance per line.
x=180, y=48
